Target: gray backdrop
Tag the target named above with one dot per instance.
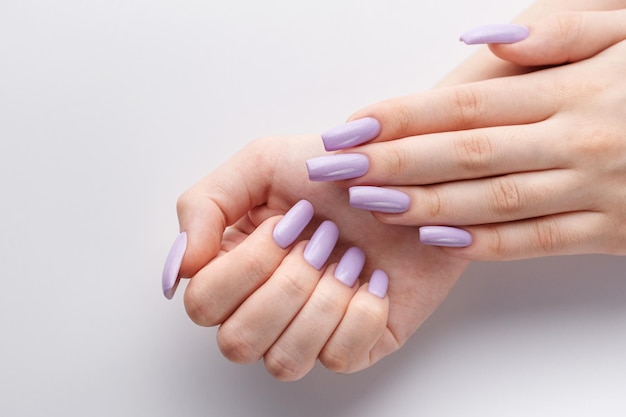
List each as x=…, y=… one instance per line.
x=110, y=109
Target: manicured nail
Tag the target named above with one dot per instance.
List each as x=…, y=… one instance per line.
x=170, y=276
x=379, y=282
x=321, y=245
x=379, y=199
x=350, y=266
x=293, y=223
x=445, y=236
x=351, y=134
x=499, y=33
x=337, y=167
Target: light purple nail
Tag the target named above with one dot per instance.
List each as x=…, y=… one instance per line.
x=350, y=266
x=337, y=167
x=498, y=33
x=321, y=245
x=379, y=199
x=171, y=269
x=379, y=282
x=351, y=134
x=445, y=236
x=293, y=223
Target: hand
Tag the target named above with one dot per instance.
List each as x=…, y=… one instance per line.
x=271, y=302
x=530, y=165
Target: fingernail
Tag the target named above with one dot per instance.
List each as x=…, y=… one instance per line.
x=321, y=245
x=170, y=276
x=379, y=282
x=350, y=266
x=498, y=33
x=445, y=236
x=337, y=167
x=351, y=134
x=293, y=223
x=379, y=199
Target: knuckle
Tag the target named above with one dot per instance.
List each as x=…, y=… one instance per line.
x=235, y=346
x=433, y=202
x=497, y=246
x=293, y=286
x=201, y=311
x=507, y=197
x=466, y=105
x=337, y=359
x=549, y=236
x=474, y=152
x=396, y=161
x=568, y=25
x=283, y=365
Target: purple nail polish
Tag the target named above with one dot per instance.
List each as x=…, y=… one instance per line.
x=337, y=167
x=445, y=236
x=379, y=199
x=350, y=266
x=170, y=276
x=498, y=33
x=379, y=282
x=321, y=245
x=351, y=134
x=293, y=223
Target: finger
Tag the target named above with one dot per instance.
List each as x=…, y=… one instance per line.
x=493, y=200
x=294, y=354
x=566, y=37
x=504, y=101
x=222, y=285
x=468, y=154
x=561, y=234
x=219, y=200
x=250, y=331
x=363, y=324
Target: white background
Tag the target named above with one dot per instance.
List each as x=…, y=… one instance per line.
x=110, y=109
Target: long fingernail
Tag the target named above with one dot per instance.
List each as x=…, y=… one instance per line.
x=321, y=245
x=379, y=199
x=351, y=134
x=445, y=236
x=171, y=269
x=337, y=167
x=293, y=223
x=498, y=33
x=350, y=266
x=379, y=282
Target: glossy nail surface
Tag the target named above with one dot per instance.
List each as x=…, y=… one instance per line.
x=337, y=167
x=379, y=282
x=350, y=266
x=498, y=33
x=379, y=199
x=171, y=269
x=351, y=134
x=293, y=223
x=321, y=245
x=445, y=236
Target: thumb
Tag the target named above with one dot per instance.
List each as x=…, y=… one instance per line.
x=214, y=203
x=561, y=38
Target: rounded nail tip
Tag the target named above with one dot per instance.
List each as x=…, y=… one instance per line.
x=379, y=283
x=350, y=266
x=171, y=270
x=445, y=236
x=495, y=33
x=293, y=223
x=321, y=244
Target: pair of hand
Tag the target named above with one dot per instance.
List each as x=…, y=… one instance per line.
x=530, y=165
